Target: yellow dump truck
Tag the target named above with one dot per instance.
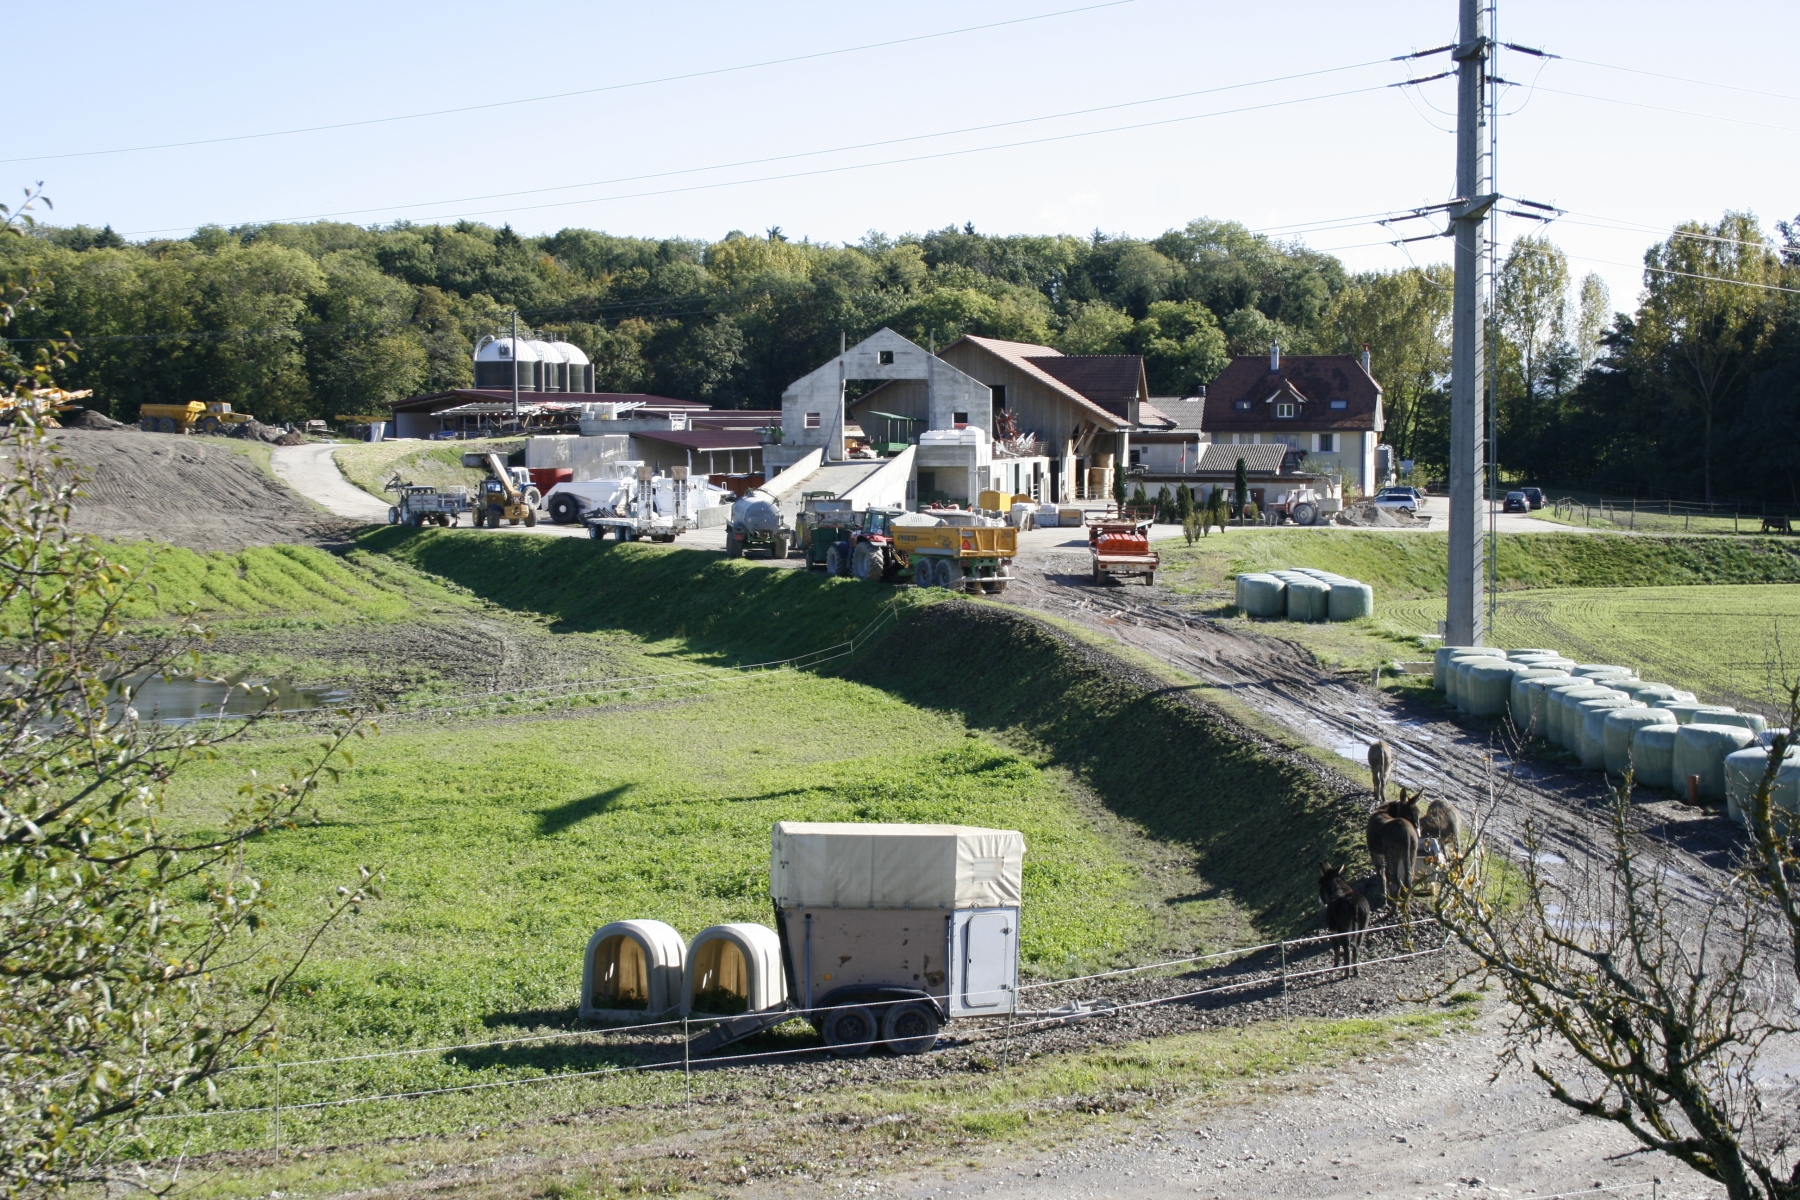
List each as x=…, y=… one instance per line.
x=943, y=555
x=196, y=416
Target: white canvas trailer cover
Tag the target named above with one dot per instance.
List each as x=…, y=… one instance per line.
x=846, y=865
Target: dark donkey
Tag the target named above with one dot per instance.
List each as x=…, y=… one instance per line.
x=1393, y=840
x=1346, y=915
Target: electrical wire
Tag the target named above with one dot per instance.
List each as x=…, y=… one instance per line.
x=1730, y=87
x=1766, y=287
x=917, y=158
x=1663, y=108
x=844, y=149
x=594, y=91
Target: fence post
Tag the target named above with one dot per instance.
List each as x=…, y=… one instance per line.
x=278, y=1110
x=1284, y=968
x=687, y=1066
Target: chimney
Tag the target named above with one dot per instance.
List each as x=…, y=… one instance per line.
x=1274, y=357
x=1365, y=361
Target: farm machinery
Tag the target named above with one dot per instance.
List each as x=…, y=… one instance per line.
x=196, y=416
x=1301, y=505
x=1122, y=548
x=419, y=504
x=757, y=524
x=657, y=508
x=501, y=497
x=893, y=545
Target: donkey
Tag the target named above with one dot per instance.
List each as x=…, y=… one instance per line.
x=1381, y=762
x=1346, y=914
x=1443, y=822
x=1393, y=841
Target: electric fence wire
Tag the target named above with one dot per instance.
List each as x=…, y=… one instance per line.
x=1261, y=978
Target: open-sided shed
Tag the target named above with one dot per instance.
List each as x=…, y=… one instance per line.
x=633, y=969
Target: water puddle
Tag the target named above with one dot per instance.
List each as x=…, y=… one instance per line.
x=185, y=699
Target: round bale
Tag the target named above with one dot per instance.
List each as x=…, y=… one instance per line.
x=1350, y=600
x=1701, y=750
x=1519, y=699
x=1652, y=755
x=1590, y=743
x=1308, y=599
x=1621, y=727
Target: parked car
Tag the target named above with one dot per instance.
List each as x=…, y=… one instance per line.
x=1516, y=502
x=1535, y=495
x=1403, y=498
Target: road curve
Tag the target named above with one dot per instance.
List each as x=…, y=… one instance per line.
x=313, y=472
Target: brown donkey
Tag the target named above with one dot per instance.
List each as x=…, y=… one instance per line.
x=1346, y=915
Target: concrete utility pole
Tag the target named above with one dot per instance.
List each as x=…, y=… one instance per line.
x=515, y=373
x=1466, y=624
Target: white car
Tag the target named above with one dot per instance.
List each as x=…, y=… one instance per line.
x=1402, y=498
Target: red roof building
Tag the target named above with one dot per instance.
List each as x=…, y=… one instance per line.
x=1327, y=406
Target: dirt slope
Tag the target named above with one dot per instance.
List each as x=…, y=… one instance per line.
x=196, y=492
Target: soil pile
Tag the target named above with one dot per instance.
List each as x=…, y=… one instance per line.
x=1367, y=516
x=186, y=491
x=256, y=431
x=87, y=418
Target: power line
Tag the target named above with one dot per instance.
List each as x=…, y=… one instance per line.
x=1730, y=87
x=614, y=87
x=1767, y=287
x=750, y=162
x=1663, y=108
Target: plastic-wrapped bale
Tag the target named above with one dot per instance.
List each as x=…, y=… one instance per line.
x=1520, y=705
x=1308, y=600
x=1744, y=770
x=1602, y=670
x=1689, y=713
x=1530, y=652
x=1440, y=661
x=632, y=971
x=1653, y=755
x=1787, y=787
x=1458, y=675
x=1487, y=688
x=1565, y=715
x=1754, y=722
x=1652, y=693
x=1621, y=727
x=1700, y=750
x=1591, y=745
x=1544, y=701
x=1684, y=710
x=1350, y=600
x=1262, y=595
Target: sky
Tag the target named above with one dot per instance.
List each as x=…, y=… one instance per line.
x=1060, y=116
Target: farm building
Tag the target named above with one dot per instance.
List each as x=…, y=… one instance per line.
x=1327, y=406
x=1074, y=411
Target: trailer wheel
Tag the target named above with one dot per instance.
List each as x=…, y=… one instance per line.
x=910, y=1028
x=165, y=425
x=850, y=1031
x=779, y=549
x=1099, y=575
x=393, y=516
x=734, y=545
x=564, y=509
x=147, y=424
x=834, y=561
x=866, y=563
x=1149, y=578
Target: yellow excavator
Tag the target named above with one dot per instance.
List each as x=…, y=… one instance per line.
x=501, y=498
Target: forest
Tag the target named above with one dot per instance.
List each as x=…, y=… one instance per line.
x=1694, y=394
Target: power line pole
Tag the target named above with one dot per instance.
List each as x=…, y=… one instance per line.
x=1466, y=623
x=515, y=373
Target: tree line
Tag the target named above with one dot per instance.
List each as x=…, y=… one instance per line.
x=293, y=321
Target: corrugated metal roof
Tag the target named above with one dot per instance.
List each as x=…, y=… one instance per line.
x=1261, y=459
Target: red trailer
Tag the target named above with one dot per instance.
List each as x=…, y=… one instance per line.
x=1122, y=548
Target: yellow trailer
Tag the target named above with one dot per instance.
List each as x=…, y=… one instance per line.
x=969, y=557
x=196, y=416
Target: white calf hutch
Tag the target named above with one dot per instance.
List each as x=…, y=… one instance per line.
x=633, y=971
x=884, y=933
x=733, y=970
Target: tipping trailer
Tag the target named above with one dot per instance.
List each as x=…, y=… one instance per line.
x=1122, y=548
x=932, y=553
x=824, y=522
x=418, y=504
x=888, y=932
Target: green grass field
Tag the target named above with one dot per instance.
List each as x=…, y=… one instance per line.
x=438, y=464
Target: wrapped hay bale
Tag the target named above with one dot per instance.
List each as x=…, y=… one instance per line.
x=1350, y=600
x=1653, y=755
x=1744, y=770
x=1700, y=750
x=1519, y=701
x=1308, y=599
x=1262, y=595
x=1487, y=685
x=1440, y=661
x=1621, y=727
x=1565, y=718
x=1591, y=742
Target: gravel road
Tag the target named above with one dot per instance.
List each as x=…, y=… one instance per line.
x=313, y=472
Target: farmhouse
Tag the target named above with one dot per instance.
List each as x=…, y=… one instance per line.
x=1325, y=405
x=1075, y=410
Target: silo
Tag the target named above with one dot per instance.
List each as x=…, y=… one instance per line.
x=578, y=372
x=551, y=374
x=495, y=362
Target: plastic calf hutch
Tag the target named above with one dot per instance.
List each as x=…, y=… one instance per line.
x=632, y=971
x=889, y=931
x=734, y=974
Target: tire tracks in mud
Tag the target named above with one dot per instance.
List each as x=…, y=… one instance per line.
x=1463, y=761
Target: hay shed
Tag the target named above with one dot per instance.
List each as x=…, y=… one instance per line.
x=732, y=970
x=632, y=972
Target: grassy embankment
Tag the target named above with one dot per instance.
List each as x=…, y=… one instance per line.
x=506, y=841
x=1703, y=612
x=437, y=464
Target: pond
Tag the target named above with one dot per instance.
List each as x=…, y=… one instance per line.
x=184, y=699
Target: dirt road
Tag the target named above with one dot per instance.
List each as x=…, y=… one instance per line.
x=197, y=492
x=313, y=472
x=1426, y=1123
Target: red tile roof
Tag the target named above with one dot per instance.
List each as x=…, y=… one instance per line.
x=1311, y=381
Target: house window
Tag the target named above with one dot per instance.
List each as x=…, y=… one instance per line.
x=1328, y=443
x=885, y=357
x=957, y=418
x=1241, y=405
x=1284, y=409
x=1340, y=404
x=999, y=390
x=812, y=420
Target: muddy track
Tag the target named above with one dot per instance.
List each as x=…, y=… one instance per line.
x=1435, y=749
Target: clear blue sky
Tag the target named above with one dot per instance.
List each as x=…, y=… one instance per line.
x=127, y=75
